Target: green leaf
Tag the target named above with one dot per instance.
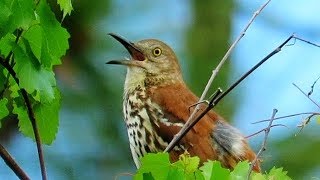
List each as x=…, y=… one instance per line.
x=6, y=44
x=34, y=37
x=176, y=173
x=240, y=171
x=32, y=76
x=65, y=6
x=258, y=176
x=3, y=109
x=187, y=163
x=47, y=118
x=214, y=170
x=5, y=13
x=22, y=14
x=157, y=164
x=278, y=173
x=54, y=37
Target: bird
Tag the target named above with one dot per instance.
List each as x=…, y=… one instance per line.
x=156, y=103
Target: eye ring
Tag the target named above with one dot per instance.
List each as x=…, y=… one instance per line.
x=156, y=51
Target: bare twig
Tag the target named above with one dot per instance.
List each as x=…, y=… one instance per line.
x=190, y=123
x=262, y=130
x=214, y=74
x=12, y=164
x=306, y=41
x=312, y=87
x=314, y=102
x=225, y=57
x=282, y=117
x=31, y=117
x=305, y=122
x=264, y=143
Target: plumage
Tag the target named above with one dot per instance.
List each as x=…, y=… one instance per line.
x=156, y=106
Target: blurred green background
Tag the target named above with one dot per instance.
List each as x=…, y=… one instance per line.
x=92, y=139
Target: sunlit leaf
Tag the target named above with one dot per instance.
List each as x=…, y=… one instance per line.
x=22, y=14
x=32, y=76
x=240, y=171
x=47, y=118
x=214, y=170
x=157, y=164
x=54, y=37
x=278, y=173
x=65, y=6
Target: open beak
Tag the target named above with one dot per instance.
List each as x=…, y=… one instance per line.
x=136, y=54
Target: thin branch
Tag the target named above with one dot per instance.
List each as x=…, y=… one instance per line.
x=262, y=130
x=314, y=102
x=31, y=117
x=312, y=87
x=304, y=123
x=214, y=74
x=264, y=143
x=306, y=41
x=12, y=164
x=190, y=123
x=282, y=117
x=225, y=57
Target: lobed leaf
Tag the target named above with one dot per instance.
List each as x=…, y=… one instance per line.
x=156, y=164
x=21, y=14
x=54, y=37
x=65, y=6
x=32, y=76
x=47, y=117
x=214, y=170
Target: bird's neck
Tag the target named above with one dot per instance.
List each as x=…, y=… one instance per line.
x=144, y=80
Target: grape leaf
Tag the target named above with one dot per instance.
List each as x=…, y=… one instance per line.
x=65, y=6
x=278, y=173
x=22, y=14
x=5, y=13
x=3, y=108
x=32, y=76
x=214, y=170
x=6, y=44
x=34, y=37
x=157, y=164
x=47, y=117
x=186, y=167
x=240, y=171
x=187, y=163
x=54, y=37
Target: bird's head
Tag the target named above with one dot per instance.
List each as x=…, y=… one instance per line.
x=151, y=61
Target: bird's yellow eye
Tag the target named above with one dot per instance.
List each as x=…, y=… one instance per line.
x=156, y=51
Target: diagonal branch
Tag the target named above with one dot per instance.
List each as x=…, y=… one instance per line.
x=314, y=102
x=190, y=123
x=12, y=164
x=264, y=143
x=262, y=130
x=291, y=115
x=31, y=116
x=214, y=74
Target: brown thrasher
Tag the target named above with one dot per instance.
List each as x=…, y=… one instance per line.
x=156, y=106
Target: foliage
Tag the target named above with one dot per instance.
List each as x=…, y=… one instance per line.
x=158, y=166
x=32, y=42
